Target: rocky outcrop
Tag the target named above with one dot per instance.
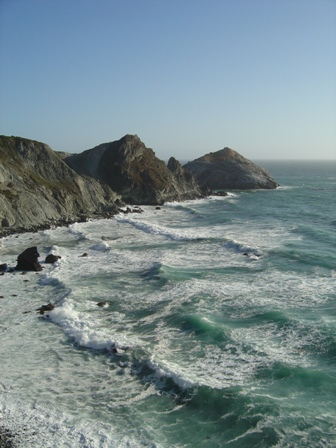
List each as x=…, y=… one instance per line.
x=226, y=169
x=51, y=258
x=28, y=260
x=183, y=181
x=38, y=189
x=131, y=169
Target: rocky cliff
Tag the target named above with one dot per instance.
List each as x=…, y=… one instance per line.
x=38, y=189
x=131, y=169
x=226, y=169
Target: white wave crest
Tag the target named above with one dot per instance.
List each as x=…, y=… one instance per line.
x=162, y=370
x=158, y=230
x=85, y=332
x=100, y=246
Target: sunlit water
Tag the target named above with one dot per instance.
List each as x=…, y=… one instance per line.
x=218, y=328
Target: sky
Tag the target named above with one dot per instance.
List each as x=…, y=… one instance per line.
x=188, y=77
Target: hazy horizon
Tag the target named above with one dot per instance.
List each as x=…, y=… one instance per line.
x=187, y=76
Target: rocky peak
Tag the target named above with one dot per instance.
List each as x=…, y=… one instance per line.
x=227, y=169
x=174, y=165
x=223, y=154
x=131, y=169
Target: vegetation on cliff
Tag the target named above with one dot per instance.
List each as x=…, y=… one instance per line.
x=37, y=189
x=40, y=187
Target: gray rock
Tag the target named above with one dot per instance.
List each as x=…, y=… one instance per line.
x=226, y=169
x=39, y=190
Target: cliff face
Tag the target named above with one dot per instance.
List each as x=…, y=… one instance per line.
x=38, y=189
x=226, y=169
x=131, y=169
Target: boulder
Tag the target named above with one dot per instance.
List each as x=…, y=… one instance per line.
x=45, y=308
x=52, y=258
x=28, y=260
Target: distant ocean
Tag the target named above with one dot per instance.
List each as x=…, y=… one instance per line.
x=219, y=328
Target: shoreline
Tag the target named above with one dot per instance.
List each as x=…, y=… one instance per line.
x=10, y=231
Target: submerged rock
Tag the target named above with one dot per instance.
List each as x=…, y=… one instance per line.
x=227, y=169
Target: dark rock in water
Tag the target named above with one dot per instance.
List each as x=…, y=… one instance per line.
x=28, y=260
x=220, y=193
x=84, y=254
x=45, y=308
x=3, y=267
x=52, y=258
x=102, y=304
x=226, y=169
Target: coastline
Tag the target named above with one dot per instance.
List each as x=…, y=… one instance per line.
x=8, y=231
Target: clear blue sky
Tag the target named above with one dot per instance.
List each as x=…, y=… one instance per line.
x=187, y=76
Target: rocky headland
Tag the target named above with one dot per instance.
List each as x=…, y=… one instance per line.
x=132, y=170
x=40, y=188
x=227, y=169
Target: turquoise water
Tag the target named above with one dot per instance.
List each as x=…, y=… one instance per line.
x=218, y=328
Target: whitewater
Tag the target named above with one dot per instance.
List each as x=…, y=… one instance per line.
x=207, y=323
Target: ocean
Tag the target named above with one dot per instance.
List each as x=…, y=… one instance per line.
x=218, y=327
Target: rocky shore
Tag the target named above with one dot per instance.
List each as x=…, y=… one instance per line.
x=41, y=188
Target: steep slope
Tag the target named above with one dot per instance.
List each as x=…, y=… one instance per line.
x=132, y=170
x=38, y=189
x=227, y=169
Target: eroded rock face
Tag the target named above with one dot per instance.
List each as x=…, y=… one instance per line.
x=226, y=169
x=38, y=189
x=131, y=169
